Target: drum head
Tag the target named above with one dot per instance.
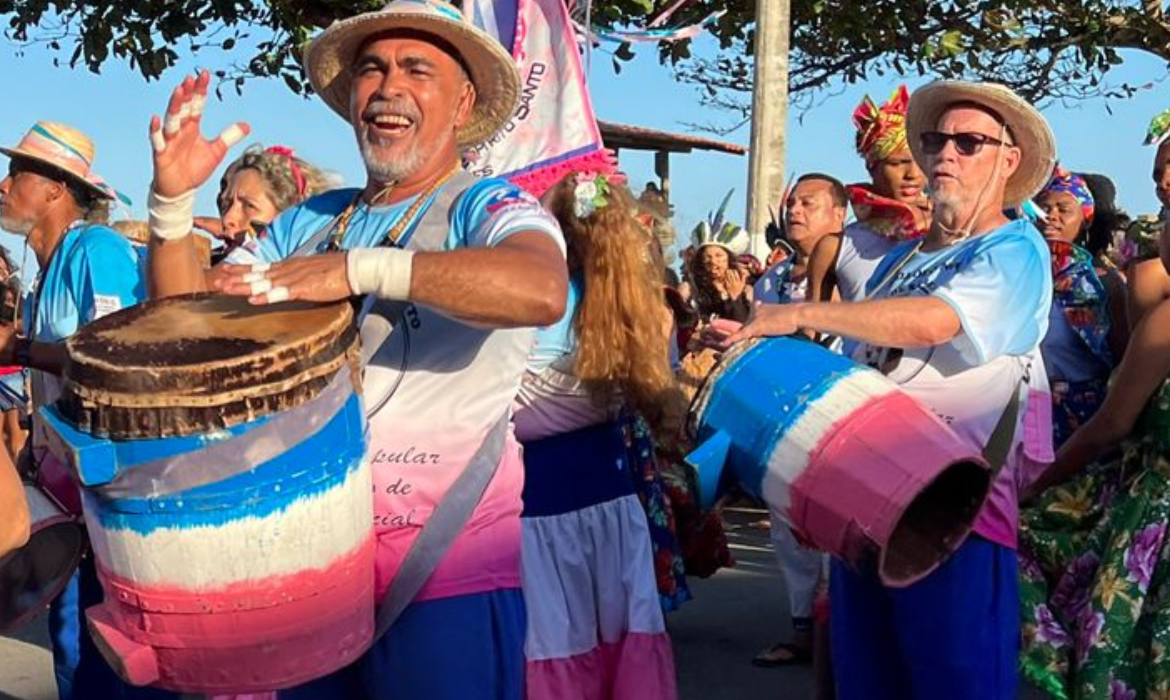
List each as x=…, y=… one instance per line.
x=32, y=576
x=190, y=364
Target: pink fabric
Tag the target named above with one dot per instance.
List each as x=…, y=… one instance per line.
x=486, y=554
x=999, y=521
x=636, y=667
x=554, y=130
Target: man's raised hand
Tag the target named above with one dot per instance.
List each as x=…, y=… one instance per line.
x=183, y=158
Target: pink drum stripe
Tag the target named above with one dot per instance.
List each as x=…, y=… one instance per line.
x=286, y=629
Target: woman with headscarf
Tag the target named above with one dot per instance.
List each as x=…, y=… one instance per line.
x=1086, y=326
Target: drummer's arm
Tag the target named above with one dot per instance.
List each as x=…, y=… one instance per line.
x=174, y=267
x=521, y=282
x=14, y=526
x=902, y=322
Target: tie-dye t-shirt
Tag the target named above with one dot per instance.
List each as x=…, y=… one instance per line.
x=435, y=388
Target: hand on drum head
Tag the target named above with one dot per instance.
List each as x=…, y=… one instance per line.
x=183, y=158
x=766, y=320
x=320, y=278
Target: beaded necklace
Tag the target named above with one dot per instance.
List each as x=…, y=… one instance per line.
x=399, y=227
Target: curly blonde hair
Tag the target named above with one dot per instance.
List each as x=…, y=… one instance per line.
x=279, y=167
x=622, y=322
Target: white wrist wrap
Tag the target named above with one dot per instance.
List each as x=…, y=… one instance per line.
x=171, y=218
x=383, y=272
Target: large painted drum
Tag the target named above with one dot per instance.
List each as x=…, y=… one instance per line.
x=853, y=463
x=221, y=451
x=32, y=576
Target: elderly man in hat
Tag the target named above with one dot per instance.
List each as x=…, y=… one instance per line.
x=52, y=198
x=956, y=319
x=463, y=269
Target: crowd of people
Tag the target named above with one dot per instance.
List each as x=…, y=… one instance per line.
x=1008, y=294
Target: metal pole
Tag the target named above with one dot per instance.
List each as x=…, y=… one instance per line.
x=769, y=117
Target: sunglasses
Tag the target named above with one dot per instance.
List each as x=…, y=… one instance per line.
x=966, y=143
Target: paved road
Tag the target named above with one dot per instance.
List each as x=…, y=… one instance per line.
x=735, y=614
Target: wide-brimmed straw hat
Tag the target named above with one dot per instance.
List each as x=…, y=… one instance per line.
x=1029, y=130
x=329, y=60
x=65, y=149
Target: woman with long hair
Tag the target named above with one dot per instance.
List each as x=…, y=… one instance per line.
x=595, y=628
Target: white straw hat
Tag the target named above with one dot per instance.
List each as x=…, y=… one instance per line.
x=329, y=60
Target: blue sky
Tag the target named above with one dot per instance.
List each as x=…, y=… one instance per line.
x=114, y=109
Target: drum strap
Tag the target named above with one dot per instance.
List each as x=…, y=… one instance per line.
x=999, y=445
x=444, y=525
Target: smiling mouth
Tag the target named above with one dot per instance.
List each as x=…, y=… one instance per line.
x=389, y=126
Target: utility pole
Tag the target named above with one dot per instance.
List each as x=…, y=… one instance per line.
x=769, y=118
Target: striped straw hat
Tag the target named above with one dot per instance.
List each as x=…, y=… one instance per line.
x=65, y=149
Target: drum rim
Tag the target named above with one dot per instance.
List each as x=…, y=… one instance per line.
x=61, y=582
x=111, y=365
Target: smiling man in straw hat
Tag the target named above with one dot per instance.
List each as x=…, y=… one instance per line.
x=956, y=319
x=52, y=198
x=463, y=269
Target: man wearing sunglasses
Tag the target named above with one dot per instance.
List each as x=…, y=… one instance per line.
x=955, y=319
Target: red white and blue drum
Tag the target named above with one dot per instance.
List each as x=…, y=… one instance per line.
x=221, y=451
x=853, y=463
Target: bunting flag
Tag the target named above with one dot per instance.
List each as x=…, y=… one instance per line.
x=656, y=34
x=554, y=130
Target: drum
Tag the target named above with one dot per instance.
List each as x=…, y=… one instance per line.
x=220, y=446
x=32, y=576
x=854, y=464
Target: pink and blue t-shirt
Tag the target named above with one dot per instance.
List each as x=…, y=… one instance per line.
x=1000, y=286
x=435, y=388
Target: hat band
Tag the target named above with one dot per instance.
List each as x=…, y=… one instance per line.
x=43, y=144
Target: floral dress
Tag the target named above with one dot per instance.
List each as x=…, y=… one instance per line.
x=1095, y=588
x=1082, y=299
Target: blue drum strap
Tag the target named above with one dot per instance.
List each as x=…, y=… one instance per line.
x=235, y=455
x=444, y=525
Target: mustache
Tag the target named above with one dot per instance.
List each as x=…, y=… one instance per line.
x=392, y=107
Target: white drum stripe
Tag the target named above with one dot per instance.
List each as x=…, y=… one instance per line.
x=311, y=533
x=790, y=456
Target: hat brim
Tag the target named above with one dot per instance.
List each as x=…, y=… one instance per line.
x=329, y=59
x=1029, y=130
x=97, y=190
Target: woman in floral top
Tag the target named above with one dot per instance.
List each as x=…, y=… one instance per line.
x=1097, y=577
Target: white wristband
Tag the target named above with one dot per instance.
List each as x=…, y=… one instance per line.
x=383, y=272
x=171, y=218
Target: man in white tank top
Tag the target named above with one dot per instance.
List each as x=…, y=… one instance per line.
x=892, y=209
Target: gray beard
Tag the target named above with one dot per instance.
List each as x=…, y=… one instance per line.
x=20, y=227
x=388, y=171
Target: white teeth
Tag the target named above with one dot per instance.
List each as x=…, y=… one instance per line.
x=391, y=120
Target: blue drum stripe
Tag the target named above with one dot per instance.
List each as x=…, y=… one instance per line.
x=323, y=461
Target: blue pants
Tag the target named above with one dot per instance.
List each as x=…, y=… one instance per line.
x=82, y=673
x=952, y=636
x=467, y=647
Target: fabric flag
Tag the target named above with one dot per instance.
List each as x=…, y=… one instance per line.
x=554, y=131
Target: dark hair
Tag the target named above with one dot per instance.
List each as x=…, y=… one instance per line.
x=836, y=189
x=1107, y=218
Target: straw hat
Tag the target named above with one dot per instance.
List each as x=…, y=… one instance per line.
x=1029, y=130
x=329, y=58
x=65, y=149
